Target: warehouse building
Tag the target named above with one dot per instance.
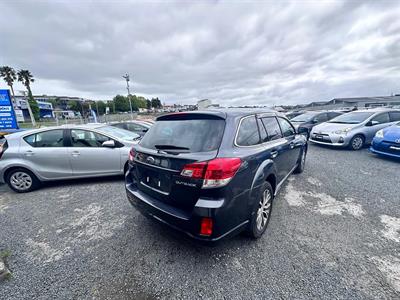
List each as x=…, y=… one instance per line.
x=359, y=102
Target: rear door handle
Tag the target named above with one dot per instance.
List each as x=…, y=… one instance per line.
x=29, y=153
x=274, y=154
x=75, y=153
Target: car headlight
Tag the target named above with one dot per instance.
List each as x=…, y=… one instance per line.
x=379, y=134
x=342, y=131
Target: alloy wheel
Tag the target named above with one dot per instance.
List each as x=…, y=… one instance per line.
x=21, y=181
x=357, y=143
x=264, y=210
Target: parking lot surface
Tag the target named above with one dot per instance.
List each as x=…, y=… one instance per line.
x=334, y=234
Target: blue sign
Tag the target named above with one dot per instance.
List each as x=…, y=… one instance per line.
x=7, y=115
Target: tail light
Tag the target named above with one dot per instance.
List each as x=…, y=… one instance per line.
x=132, y=154
x=215, y=173
x=206, y=226
x=3, y=148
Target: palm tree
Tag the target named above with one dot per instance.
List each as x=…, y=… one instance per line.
x=9, y=77
x=26, y=77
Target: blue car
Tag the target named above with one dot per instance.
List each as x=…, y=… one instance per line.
x=387, y=141
x=213, y=174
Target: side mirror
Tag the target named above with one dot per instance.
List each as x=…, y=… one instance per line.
x=108, y=144
x=372, y=123
x=302, y=130
x=145, y=130
x=315, y=121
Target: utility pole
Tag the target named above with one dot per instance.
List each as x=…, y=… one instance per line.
x=126, y=77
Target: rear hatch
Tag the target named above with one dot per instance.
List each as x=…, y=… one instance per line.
x=172, y=142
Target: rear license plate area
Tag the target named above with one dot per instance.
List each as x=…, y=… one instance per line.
x=155, y=180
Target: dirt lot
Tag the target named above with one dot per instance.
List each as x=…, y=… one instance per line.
x=334, y=233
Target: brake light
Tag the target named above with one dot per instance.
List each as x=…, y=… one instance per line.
x=215, y=173
x=206, y=226
x=132, y=154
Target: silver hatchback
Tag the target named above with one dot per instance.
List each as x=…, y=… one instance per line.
x=29, y=157
x=354, y=129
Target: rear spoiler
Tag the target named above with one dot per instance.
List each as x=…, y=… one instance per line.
x=193, y=115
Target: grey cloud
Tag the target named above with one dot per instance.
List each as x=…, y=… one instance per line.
x=232, y=53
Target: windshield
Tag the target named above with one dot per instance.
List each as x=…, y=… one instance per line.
x=119, y=133
x=352, y=118
x=191, y=135
x=304, y=117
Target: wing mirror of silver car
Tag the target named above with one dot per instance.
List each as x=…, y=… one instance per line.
x=108, y=144
x=372, y=123
x=302, y=130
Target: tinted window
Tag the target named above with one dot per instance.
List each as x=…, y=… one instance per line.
x=286, y=127
x=263, y=132
x=119, y=125
x=198, y=135
x=51, y=138
x=248, y=132
x=135, y=127
x=381, y=118
x=321, y=118
x=272, y=127
x=394, y=116
x=307, y=117
x=119, y=133
x=333, y=115
x=85, y=138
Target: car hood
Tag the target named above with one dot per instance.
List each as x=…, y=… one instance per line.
x=392, y=133
x=330, y=127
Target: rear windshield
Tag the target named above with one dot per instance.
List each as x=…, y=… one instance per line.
x=200, y=135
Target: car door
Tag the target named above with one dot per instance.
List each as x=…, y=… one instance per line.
x=292, y=146
x=277, y=146
x=378, y=122
x=88, y=157
x=46, y=154
x=394, y=116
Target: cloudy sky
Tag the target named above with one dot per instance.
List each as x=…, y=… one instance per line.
x=234, y=53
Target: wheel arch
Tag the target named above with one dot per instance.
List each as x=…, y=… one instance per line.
x=13, y=167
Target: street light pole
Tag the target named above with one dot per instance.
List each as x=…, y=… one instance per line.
x=126, y=77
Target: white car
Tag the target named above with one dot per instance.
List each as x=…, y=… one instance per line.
x=29, y=157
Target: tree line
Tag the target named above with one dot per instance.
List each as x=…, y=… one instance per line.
x=118, y=104
x=121, y=103
x=9, y=75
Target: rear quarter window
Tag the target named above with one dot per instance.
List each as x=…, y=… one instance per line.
x=198, y=135
x=248, y=132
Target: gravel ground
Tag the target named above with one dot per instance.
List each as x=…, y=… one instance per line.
x=334, y=234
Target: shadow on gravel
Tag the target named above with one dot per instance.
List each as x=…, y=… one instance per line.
x=385, y=158
x=342, y=149
x=147, y=251
x=82, y=181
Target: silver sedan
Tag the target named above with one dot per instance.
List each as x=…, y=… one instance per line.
x=30, y=157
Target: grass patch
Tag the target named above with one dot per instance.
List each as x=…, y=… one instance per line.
x=5, y=253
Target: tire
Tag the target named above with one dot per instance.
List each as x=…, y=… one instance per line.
x=21, y=180
x=357, y=142
x=263, y=210
x=301, y=163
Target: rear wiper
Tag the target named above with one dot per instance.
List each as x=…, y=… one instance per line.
x=170, y=147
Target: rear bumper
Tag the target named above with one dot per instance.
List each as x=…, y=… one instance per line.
x=182, y=221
